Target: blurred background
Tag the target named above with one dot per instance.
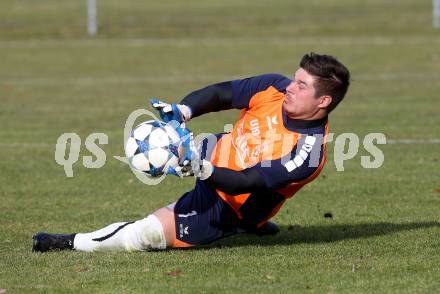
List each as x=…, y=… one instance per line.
x=167, y=48
x=56, y=78
x=50, y=19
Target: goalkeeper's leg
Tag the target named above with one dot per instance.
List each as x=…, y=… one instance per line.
x=140, y=235
x=147, y=233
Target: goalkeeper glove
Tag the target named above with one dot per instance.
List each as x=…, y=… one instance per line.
x=191, y=163
x=201, y=169
x=169, y=112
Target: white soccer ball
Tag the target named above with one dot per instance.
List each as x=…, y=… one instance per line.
x=152, y=147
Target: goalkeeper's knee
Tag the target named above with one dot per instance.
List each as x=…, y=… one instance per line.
x=145, y=234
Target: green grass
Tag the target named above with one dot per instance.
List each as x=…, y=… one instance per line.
x=384, y=234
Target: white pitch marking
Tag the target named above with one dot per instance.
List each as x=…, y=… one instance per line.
x=221, y=41
x=129, y=80
x=27, y=145
x=413, y=141
x=84, y=81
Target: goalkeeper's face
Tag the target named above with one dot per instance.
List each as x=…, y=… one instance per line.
x=300, y=100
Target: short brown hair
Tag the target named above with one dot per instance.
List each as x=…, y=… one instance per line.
x=332, y=77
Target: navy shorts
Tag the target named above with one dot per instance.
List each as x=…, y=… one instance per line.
x=202, y=217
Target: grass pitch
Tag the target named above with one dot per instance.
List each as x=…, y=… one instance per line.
x=384, y=233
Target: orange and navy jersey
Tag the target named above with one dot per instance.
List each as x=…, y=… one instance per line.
x=286, y=153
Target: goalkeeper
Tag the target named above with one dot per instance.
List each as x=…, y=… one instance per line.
x=277, y=146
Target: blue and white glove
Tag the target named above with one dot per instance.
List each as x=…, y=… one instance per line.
x=191, y=164
x=186, y=137
x=201, y=169
x=197, y=167
x=169, y=112
x=176, y=115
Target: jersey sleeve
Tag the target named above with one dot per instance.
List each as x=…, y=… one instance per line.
x=296, y=166
x=243, y=90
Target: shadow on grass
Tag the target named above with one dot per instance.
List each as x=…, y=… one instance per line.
x=322, y=234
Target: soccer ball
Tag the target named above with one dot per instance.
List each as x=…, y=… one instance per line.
x=152, y=147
